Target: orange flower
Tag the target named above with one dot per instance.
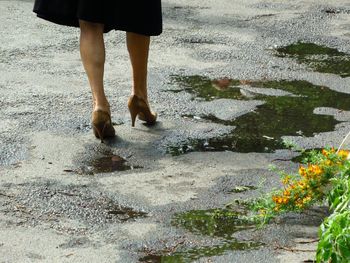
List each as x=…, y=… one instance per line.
x=306, y=199
x=286, y=180
x=280, y=199
x=325, y=153
x=315, y=169
x=285, y=200
x=286, y=192
x=302, y=185
x=302, y=170
x=343, y=154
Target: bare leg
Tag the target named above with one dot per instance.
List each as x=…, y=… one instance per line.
x=92, y=51
x=138, y=47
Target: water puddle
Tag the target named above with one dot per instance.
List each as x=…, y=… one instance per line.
x=207, y=89
x=213, y=222
x=103, y=163
x=111, y=163
x=191, y=255
x=261, y=130
x=320, y=58
x=218, y=223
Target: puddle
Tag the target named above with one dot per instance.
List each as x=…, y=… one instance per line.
x=320, y=58
x=191, y=255
x=103, y=162
x=261, y=130
x=207, y=89
x=213, y=222
x=111, y=163
x=218, y=223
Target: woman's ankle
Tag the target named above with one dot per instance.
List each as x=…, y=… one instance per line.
x=140, y=95
x=102, y=107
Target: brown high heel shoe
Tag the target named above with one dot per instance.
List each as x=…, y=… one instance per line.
x=138, y=107
x=102, y=125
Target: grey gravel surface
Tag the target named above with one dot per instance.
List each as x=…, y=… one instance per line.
x=54, y=209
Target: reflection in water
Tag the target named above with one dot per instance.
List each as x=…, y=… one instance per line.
x=111, y=163
x=207, y=89
x=191, y=255
x=103, y=162
x=219, y=223
x=261, y=130
x=213, y=222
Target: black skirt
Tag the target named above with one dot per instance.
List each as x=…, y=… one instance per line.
x=138, y=16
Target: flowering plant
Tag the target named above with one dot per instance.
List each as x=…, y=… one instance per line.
x=324, y=175
x=308, y=186
x=305, y=188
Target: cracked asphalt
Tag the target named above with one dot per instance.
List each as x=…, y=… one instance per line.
x=55, y=203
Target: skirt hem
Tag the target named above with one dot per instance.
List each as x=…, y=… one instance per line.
x=64, y=21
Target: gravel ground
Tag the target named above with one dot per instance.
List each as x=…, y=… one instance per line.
x=56, y=204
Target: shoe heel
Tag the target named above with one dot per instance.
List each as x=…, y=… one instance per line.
x=133, y=113
x=99, y=131
x=138, y=107
x=102, y=125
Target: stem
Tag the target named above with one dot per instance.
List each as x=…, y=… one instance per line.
x=341, y=145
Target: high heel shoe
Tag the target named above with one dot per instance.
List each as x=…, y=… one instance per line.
x=138, y=107
x=102, y=125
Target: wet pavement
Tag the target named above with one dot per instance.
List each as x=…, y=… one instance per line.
x=261, y=130
x=235, y=85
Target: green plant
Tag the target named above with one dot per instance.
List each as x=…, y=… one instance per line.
x=334, y=244
x=323, y=176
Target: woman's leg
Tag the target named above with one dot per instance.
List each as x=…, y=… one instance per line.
x=92, y=50
x=138, y=47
